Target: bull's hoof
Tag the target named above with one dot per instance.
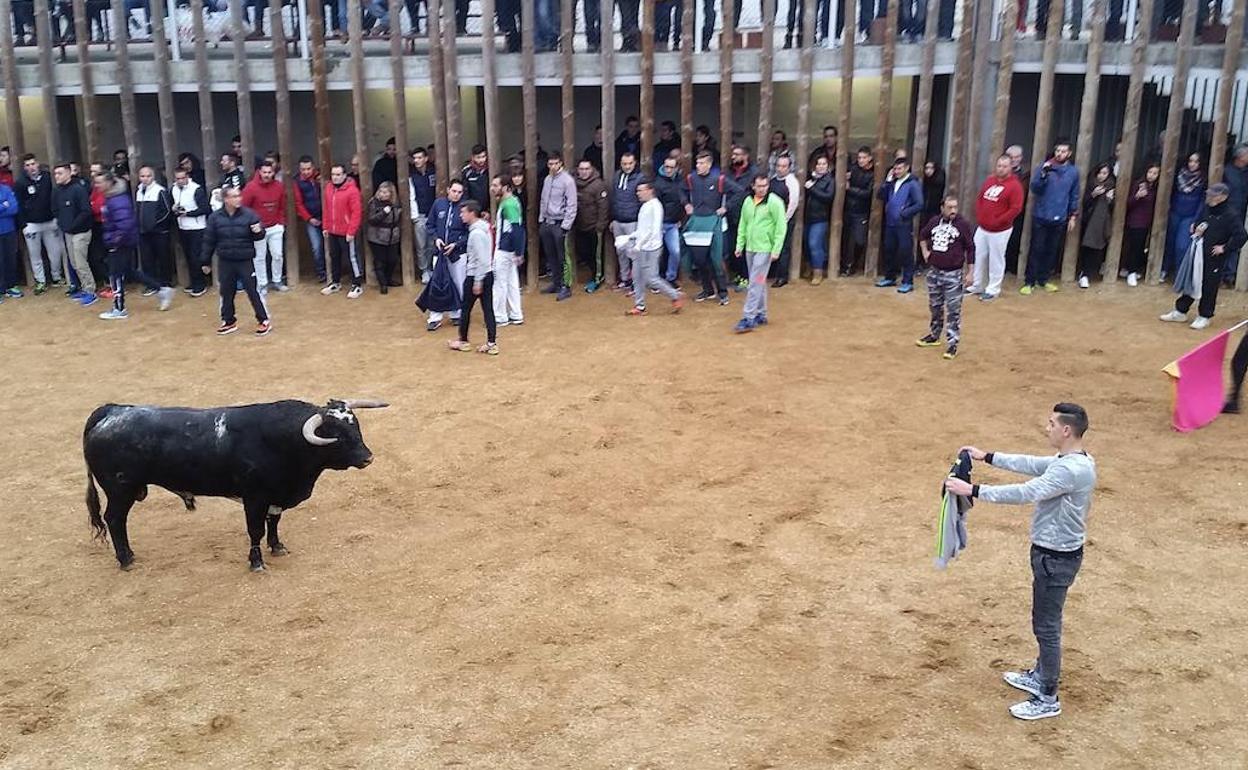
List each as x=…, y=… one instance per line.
x=257, y=566
x=126, y=566
x=279, y=550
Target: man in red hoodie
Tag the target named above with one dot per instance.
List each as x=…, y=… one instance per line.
x=1000, y=201
x=267, y=197
x=6, y=172
x=341, y=206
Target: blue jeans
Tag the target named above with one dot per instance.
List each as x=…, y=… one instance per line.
x=899, y=253
x=817, y=245
x=380, y=10
x=1046, y=239
x=317, y=240
x=546, y=25
x=1178, y=238
x=671, y=242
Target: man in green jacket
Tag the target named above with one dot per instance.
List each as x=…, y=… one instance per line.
x=760, y=237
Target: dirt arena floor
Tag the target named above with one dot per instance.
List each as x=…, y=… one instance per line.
x=624, y=543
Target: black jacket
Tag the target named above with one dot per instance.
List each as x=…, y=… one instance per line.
x=819, y=198
x=236, y=178
x=669, y=192
x=231, y=236
x=34, y=198
x=1223, y=227
x=155, y=215
x=737, y=188
x=476, y=185
x=73, y=208
x=858, y=193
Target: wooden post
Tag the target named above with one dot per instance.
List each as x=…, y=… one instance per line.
x=407, y=256
x=454, y=113
x=528, y=68
x=726, y=42
x=766, y=88
x=836, y=223
x=647, y=84
x=1226, y=90
x=607, y=56
x=1170, y=145
x=1130, y=138
x=881, y=137
x=437, y=75
x=285, y=143
x=12, y=105
x=1005, y=77
x=320, y=90
x=355, y=26
x=207, y=124
x=1087, y=124
x=964, y=184
x=125, y=83
x=164, y=96
x=961, y=119
x=90, y=118
x=489, y=53
x=686, y=86
x=47, y=83
x=1044, y=121
x=800, y=167
x=567, y=26
x=242, y=79
x=923, y=108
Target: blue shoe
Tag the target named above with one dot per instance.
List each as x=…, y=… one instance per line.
x=905, y=288
x=884, y=283
x=591, y=287
x=14, y=292
x=760, y=319
x=744, y=325
x=87, y=300
x=564, y=293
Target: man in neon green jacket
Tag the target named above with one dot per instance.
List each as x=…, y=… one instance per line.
x=760, y=237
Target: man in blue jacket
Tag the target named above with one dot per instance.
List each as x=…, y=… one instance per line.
x=1055, y=185
x=422, y=180
x=903, y=199
x=8, y=243
x=448, y=237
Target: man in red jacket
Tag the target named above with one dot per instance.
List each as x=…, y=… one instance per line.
x=267, y=197
x=341, y=206
x=1000, y=201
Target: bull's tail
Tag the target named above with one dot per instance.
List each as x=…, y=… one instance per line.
x=100, y=532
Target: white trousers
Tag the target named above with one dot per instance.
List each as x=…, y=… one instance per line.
x=506, y=288
x=269, y=246
x=990, y=260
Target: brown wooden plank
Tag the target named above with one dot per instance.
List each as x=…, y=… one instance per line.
x=1087, y=123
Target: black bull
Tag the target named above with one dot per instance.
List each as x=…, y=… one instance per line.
x=268, y=456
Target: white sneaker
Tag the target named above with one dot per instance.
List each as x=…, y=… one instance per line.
x=972, y=291
x=114, y=315
x=166, y=297
x=1036, y=708
x=1084, y=282
x=355, y=292
x=1133, y=279
x=333, y=288
x=281, y=287
x=501, y=324
x=1023, y=680
x=1200, y=323
x=1175, y=316
x=425, y=276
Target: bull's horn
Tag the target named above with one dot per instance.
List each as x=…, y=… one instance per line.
x=365, y=403
x=309, y=431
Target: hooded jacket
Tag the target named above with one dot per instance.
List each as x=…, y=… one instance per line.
x=342, y=209
x=121, y=230
x=950, y=241
x=8, y=210
x=480, y=251
x=592, y=204
x=73, y=208
x=901, y=201
x=308, y=196
x=34, y=197
x=155, y=209
x=230, y=236
x=1056, y=191
x=625, y=204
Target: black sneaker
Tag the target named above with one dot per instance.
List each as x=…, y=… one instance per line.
x=951, y=352
x=703, y=296
x=928, y=341
x=1231, y=407
x=150, y=292
x=225, y=329
x=197, y=292
x=723, y=298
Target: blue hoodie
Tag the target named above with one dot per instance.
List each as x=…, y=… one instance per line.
x=8, y=210
x=1057, y=192
x=901, y=206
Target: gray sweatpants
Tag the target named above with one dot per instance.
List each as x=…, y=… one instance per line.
x=646, y=276
x=1052, y=577
x=758, y=263
x=627, y=254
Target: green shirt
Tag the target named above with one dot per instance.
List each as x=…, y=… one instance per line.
x=509, y=210
x=762, y=225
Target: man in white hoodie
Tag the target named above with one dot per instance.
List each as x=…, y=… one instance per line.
x=478, y=279
x=646, y=243
x=190, y=206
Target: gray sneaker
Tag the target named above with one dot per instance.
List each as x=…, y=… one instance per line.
x=1024, y=680
x=1037, y=707
x=166, y=297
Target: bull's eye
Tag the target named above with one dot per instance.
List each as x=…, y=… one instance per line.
x=339, y=413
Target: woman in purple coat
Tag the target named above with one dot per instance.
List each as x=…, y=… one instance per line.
x=121, y=236
x=1141, y=201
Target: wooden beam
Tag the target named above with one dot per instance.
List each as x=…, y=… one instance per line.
x=164, y=99
x=1231, y=55
x=320, y=90
x=606, y=55
x=964, y=184
x=207, y=124
x=437, y=75
x=726, y=41
x=567, y=94
x=489, y=56
x=1087, y=123
x=47, y=82
x=927, y=78
x=766, y=86
x=285, y=143
x=1130, y=139
x=1170, y=144
x=125, y=83
x=528, y=94
x=12, y=104
x=686, y=85
x=454, y=112
x=242, y=79
x=647, y=84
x=355, y=26
x=874, y=231
x=1005, y=78
x=398, y=83
x=86, y=73
x=960, y=119
x=806, y=63
x=1044, y=120
x=836, y=223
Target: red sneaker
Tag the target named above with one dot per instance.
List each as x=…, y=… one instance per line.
x=263, y=328
x=105, y=293
x=678, y=303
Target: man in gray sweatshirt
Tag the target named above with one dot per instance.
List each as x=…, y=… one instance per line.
x=555, y=218
x=1062, y=493
x=478, y=279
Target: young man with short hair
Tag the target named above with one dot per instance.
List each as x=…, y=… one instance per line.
x=646, y=243
x=267, y=197
x=760, y=237
x=308, y=207
x=949, y=251
x=73, y=217
x=625, y=204
x=703, y=231
x=668, y=190
x=232, y=174
x=478, y=280
x=343, y=210
x=555, y=218
x=509, y=246
x=34, y=201
x=449, y=234
x=190, y=206
x=1055, y=186
x=476, y=177
x=1062, y=493
x=592, y=211
x=422, y=186
x=903, y=199
x=858, y=191
x=231, y=233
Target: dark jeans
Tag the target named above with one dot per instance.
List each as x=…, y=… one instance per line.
x=385, y=258
x=487, y=308
x=413, y=13
x=1239, y=365
x=1090, y=261
x=912, y=17
x=588, y=247
x=340, y=248
x=97, y=254
x=592, y=12
x=120, y=268
x=667, y=21
x=854, y=241
x=899, y=252
x=1135, y=250
x=8, y=261
x=1046, y=239
x=708, y=20
x=629, y=29
x=797, y=21
x=546, y=25
x=1210, y=283
x=192, y=244
x=229, y=275
x=554, y=246
x=710, y=270
x=780, y=268
x=867, y=13
x=508, y=13
x=155, y=256
x=1053, y=572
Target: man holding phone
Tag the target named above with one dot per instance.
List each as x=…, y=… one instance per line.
x=232, y=233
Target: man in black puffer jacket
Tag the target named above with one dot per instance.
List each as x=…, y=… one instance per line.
x=232, y=233
x=1221, y=230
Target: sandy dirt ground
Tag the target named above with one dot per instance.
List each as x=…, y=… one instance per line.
x=624, y=543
